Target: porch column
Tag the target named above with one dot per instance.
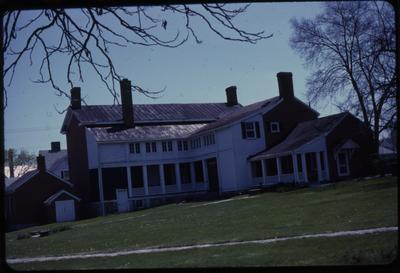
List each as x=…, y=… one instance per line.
x=101, y=193
x=304, y=167
x=295, y=167
x=278, y=166
x=205, y=173
x=327, y=176
x=178, y=177
x=145, y=182
x=193, y=175
x=319, y=169
x=162, y=178
x=264, y=171
x=129, y=175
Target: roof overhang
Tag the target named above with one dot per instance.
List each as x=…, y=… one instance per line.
x=57, y=194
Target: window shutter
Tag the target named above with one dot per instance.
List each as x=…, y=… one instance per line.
x=257, y=129
x=243, y=130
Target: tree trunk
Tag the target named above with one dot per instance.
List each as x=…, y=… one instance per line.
x=11, y=162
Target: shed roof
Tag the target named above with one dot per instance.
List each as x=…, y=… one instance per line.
x=302, y=134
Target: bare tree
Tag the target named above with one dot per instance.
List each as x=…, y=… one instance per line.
x=350, y=48
x=86, y=37
x=19, y=162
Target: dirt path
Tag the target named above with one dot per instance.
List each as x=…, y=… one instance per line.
x=180, y=248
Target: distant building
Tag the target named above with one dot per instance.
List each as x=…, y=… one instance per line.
x=128, y=156
x=39, y=197
x=56, y=160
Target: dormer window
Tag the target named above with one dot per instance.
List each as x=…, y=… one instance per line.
x=274, y=126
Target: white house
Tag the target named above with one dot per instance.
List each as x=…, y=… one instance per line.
x=127, y=156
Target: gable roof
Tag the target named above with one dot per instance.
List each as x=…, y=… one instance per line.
x=304, y=133
x=28, y=176
x=21, y=180
x=149, y=113
x=239, y=114
x=142, y=133
x=57, y=194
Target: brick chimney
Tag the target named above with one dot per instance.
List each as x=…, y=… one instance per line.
x=285, y=84
x=231, y=97
x=76, y=98
x=55, y=147
x=126, y=100
x=41, y=163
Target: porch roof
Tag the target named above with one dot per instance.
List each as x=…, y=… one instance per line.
x=304, y=133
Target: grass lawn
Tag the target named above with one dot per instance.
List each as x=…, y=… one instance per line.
x=335, y=207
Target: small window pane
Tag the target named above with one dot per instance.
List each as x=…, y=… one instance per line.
x=153, y=147
x=137, y=147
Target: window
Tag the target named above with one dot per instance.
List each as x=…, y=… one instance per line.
x=148, y=150
x=274, y=126
x=151, y=147
x=179, y=145
x=343, y=163
x=208, y=139
x=65, y=175
x=195, y=143
x=134, y=148
x=250, y=130
x=198, y=171
x=256, y=168
x=167, y=146
x=182, y=145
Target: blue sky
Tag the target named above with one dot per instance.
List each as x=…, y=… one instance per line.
x=190, y=73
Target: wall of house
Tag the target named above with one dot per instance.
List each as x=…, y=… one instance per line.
x=243, y=148
x=360, y=163
x=288, y=113
x=27, y=201
x=78, y=159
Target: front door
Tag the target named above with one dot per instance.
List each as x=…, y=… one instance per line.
x=212, y=170
x=65, y=210
x=122, y=200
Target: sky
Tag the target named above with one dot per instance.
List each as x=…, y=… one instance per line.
x=190, y=73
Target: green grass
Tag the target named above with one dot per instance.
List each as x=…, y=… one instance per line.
x=356, y=250
x=336, y=207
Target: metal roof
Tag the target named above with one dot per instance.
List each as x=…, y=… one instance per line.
x=238, y=114
x=302, y=134
x=150, y=113
x=54, y=159
x=144, y=133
